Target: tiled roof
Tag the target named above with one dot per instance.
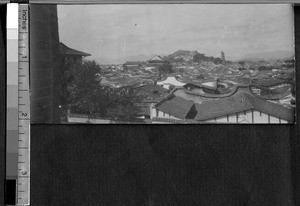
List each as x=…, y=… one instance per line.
x=69, y=51
x=127, y=81
x=272, y=109
x=153, y=92
x=268, y=82
x=133, y=63
x=238, y=103
x=209, y=95
x=175, y=106
x=156, y=58
x=243, y=80
x=286, y=77
x=222, y=107
x=274, y=94
x=174, y=121
x=152, y=88
x=143, y=110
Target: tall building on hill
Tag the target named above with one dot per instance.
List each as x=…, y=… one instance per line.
x=223, y=56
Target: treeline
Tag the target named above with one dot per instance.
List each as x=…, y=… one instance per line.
x=198, y=57
x=82, y=94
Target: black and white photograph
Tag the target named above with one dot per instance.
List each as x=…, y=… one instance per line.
x=150, y=103
x=164, y=64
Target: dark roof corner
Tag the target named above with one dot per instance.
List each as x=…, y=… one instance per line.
x=69, y=51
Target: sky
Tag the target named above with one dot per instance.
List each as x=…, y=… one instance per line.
x=118, y=33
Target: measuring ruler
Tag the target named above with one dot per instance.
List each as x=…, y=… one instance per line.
x=23, y=180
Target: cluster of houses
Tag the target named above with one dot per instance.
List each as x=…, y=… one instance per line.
x=207, y=105
x=226, y=96
x=150, y=65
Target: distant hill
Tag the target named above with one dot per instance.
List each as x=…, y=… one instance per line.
x=140, y=57
x=178, y=56
x=190, y=56
x=289, y=58
x=268, y=56
x=181, y=55
x=252, y=59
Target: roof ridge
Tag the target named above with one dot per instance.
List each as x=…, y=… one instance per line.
x=157, y=56
x=235, y=103
x=66, y=47
x=171, y=93
x=256, y=101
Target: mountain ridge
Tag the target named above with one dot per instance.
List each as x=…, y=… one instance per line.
x=268, y=56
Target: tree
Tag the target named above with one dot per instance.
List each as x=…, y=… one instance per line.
x=198, y=57
x=241, y=65
x=84, y=95
x=83, y=87
x=116, y=104
x=166, y=68
x=217, y=60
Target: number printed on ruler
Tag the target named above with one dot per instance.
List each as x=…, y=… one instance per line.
x=23, y=33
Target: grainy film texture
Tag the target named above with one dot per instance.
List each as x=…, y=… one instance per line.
x=163, y=63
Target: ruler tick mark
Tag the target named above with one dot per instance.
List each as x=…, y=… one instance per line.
x=23, y=147
x=23, y=186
